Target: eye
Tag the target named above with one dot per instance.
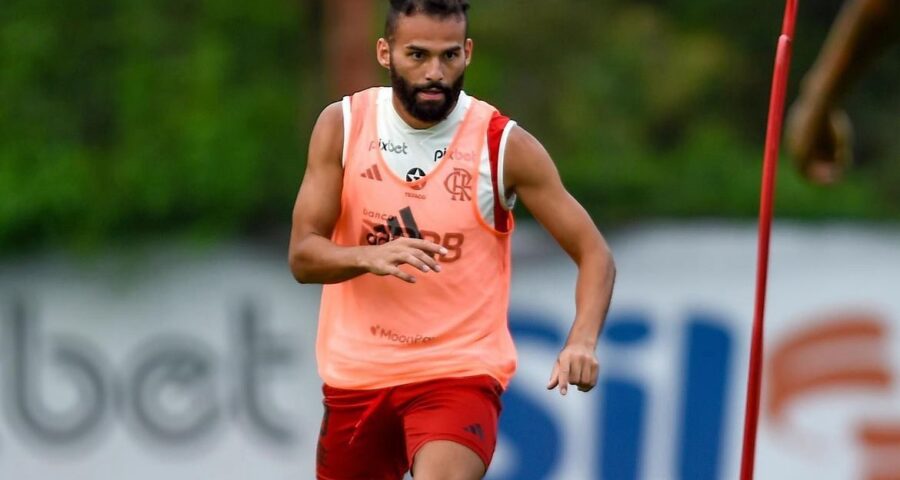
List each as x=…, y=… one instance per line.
x=417, y=55
x=451, y=55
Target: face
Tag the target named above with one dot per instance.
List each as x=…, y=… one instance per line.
x=427, y=59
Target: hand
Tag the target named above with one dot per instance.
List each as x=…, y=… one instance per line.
x=386, y=259
x=576, y=365
x=820, y=141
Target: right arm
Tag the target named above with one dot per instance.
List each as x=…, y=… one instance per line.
x=312, y=256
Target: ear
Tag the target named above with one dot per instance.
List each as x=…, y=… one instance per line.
x=468, y=50
x=383, y=53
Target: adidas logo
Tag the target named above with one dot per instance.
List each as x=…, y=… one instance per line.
x=392, y=229
x=475, y=429
x=372, y=173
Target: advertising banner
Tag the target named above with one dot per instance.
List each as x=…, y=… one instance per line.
x=182, y=363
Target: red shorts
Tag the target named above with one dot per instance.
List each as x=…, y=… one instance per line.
x=375, y=434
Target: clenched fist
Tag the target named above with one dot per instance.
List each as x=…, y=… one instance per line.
x=576, y=365
x=820, y=141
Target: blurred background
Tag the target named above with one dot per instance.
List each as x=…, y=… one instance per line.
x=150, y=153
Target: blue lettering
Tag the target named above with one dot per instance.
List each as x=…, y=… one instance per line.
x=707, y=361
x=623, y=403
x=527, y=426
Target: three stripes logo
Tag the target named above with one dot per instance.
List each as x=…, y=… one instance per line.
x=475, y=429
x=372, y=173
x=379, y=227
x=386, y=232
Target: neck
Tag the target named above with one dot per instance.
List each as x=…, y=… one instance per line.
x=411, y=120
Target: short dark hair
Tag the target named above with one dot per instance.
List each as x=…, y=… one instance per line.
x=435, y=8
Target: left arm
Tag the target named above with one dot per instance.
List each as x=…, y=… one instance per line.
x=530, y=172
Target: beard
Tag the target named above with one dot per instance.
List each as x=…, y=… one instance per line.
x=428, y=111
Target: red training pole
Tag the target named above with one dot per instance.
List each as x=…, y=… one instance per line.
x=770, y=164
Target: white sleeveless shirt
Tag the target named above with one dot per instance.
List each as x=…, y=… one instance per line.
x=411, y=153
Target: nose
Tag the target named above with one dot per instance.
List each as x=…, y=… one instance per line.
x=434, y=70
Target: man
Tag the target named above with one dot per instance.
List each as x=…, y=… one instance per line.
x=819, y=134
x=403, y=214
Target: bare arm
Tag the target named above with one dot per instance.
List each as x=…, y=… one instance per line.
x=312, y=256
x=861, y=32
x=818, y=130
x=530, y=172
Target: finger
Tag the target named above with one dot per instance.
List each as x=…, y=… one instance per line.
x=554, y=377
x=582, y=379
x=427, y=246
x=588, y=378
x=427, y=260
x=575, y=368
x=413, y=260
x=589, y=374
x=563, y=377
x=402, y=275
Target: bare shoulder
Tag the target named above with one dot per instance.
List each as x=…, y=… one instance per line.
x=333, y=113
x=526, y=159
x=331, y=121
x=522, y=143
x=327, y=140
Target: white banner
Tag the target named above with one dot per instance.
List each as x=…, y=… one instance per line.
x=186, y=364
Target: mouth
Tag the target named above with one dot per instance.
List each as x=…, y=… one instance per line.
x=431, y=95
